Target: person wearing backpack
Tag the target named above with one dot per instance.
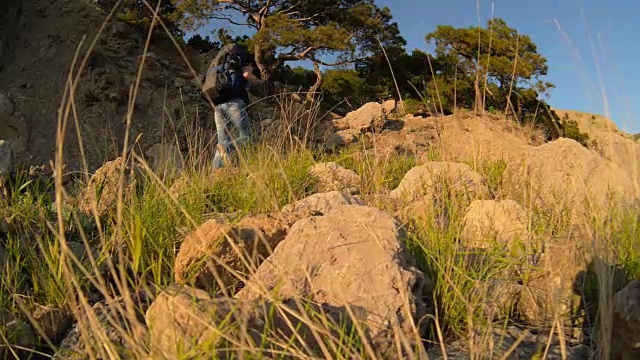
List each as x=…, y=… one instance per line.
x=226, y=85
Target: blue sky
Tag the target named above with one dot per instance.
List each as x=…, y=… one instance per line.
x=576, y=36
x=589, y=45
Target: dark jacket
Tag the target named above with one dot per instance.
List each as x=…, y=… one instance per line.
x=227, y=96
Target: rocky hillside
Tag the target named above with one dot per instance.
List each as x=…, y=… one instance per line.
x=39, y=41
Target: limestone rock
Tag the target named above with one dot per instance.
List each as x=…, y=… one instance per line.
x=340, y=124
x=341, y=138
x=427, y=190
x=423, y=181
x=354, y=256
x=370, y=117
x=322, y=203
x=486, y=220
x=566, y=173
x=186, y=320
x=210, y=255
x=563, y=278
x=102, y=190
x=333, y=177
x=389, y=107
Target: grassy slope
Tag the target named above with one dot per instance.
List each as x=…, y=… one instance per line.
x=152, y=224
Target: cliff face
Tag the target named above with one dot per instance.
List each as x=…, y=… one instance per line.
x=43, y=37
x=10, y=13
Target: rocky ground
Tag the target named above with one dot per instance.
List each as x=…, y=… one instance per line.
x=349, y=252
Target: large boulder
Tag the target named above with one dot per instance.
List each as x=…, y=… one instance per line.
x=223, y=254
x=565, y=174
x=560, y=280
x=353, y=256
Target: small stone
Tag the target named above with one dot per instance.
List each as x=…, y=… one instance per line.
x=17, y=333
x=53, y=322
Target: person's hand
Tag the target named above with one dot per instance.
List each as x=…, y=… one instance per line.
x=248, y=70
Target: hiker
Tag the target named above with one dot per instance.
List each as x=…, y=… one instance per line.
x=226, y=84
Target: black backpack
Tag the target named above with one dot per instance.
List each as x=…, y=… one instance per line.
x=223, y=80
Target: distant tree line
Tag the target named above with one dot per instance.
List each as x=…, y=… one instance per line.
x=490, y=68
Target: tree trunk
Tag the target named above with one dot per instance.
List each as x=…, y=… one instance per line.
x=479, y=103
x=315, y=87
x=519, y=112
x=265, y=69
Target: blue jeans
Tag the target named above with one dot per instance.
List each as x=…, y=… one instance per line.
x=232, y=111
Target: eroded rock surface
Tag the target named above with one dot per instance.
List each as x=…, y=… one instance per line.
x=355, y=256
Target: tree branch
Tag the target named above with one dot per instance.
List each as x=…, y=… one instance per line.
x=233, y=4
x=265, y=8
x=308, y=18
x=339, y=63
x=262, y=13
x=228, y=19
x=288, y=11
x=299, y=56
x=236, y=7
x=307, y=52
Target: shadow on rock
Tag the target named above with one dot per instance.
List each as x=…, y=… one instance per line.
x=587, y=286
x=393, y=125
x=187, y=321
